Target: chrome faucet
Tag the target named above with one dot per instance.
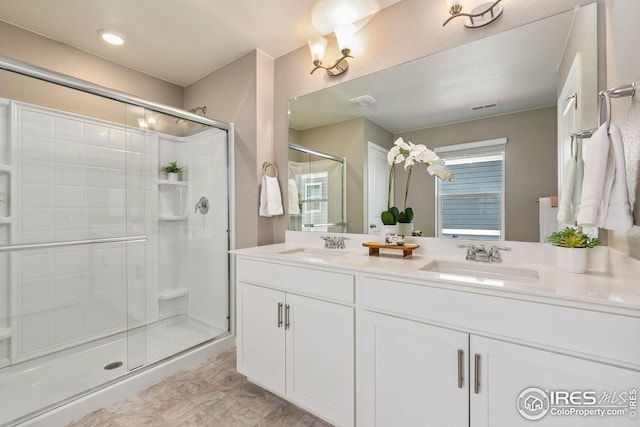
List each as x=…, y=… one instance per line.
x=480, y=254
x=494, y=253
x=340, y=243
x=471, y=251
x=329, y=242
x=334, y=242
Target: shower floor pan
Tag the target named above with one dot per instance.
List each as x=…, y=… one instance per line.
x=29, y=387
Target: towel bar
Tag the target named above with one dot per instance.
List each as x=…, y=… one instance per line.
x=605, y=96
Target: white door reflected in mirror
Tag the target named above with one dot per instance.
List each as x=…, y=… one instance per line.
x=377, y=186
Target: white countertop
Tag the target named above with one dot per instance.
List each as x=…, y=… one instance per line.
x=610, y=285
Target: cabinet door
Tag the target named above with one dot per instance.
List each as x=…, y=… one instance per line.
x=413, y=374
x=260, y=338
x=506, y=370
x=320, y=358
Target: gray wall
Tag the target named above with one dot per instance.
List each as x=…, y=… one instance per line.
x=623, y=67
x=241, y=93
x=29, y=47
x=530, y=167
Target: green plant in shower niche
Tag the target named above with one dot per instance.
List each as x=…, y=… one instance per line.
x=172, y=167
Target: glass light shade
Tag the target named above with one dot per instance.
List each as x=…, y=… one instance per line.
x=142, y=123
x=317, y=46
x=344, y=34
x=451, y=3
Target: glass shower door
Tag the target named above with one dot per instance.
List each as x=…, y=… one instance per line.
x=317, y=196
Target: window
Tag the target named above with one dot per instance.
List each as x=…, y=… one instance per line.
x=315, y=200
x=313, y=196
x=472, y=206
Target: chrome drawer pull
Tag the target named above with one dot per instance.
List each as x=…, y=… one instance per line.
x=286, y=316
x=476, y=382
x=460, y=368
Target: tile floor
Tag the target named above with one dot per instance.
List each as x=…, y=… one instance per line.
x=211, y=394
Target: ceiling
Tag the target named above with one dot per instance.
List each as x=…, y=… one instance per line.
x=516, y=69
x=179, y=41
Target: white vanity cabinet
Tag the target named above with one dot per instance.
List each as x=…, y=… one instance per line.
x=434, y=356
x=413, y=374
x=295, y=335
x=506, y=369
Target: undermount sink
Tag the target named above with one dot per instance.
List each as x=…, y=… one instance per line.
x=312, y=254
x=475, y=272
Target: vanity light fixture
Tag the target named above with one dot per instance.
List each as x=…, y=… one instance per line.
x=479, y=16
x=318, y=45
x=111, y=37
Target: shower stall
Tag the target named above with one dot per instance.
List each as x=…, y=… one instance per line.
x=107, y=265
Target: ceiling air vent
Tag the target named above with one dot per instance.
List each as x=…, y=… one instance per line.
x=364, y=100
x=484, y=106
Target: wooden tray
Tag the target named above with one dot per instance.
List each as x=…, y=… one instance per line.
x=407, y=249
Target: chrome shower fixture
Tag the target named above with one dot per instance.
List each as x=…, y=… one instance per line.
x=196, y=109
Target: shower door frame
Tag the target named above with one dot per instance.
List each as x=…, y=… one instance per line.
x=39, y=73
x=343, y=162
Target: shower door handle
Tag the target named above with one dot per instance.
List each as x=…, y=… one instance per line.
x=51, y=245
x=279, y=314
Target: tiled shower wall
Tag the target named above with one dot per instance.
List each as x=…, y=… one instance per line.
x=76, y=179
x=208, y=272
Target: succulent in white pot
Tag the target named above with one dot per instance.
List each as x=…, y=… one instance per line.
x=572, y=249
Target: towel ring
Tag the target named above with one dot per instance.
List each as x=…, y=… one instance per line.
x=266, y=165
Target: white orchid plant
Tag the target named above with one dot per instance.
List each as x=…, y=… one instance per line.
x=411, y=154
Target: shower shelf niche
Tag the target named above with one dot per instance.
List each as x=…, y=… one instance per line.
x=173, y=218
x=173, y=293
x=173, y=183
x=172, y=200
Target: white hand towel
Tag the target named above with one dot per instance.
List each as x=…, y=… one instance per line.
x=605, y=195
x=595, y=168
x=294, y=201
x=565, y=209
x=263, y=198
x=547, y=217
x=619, y=214
x=577, y=187
x=274, y=197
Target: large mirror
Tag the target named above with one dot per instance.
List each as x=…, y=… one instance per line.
x=516, y=86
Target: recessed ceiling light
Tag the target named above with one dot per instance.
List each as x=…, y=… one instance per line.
x=111, y=37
